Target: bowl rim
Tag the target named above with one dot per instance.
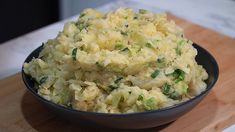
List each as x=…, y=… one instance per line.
x=216, y=69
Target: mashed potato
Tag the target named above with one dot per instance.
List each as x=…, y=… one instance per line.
x=118, y=62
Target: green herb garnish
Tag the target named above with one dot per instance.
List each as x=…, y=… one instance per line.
x=155, y=73
x=140, y=97
x=170, y=92
x=118, y=80
x=116, y=84
x=178, y=51
x=142, y=11
x=125, y=49
x=181, y=42
x=82, y=26
x=119, y=46
x=82, y=15
x=112, y=87
x=43, y=79
x=74, y=53
x=166, y=89
x=175, y=95
x=150, y=104
x=124, y=33
x=149, y=45
x=179, y=75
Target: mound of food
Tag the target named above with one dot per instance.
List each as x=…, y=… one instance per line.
x=119, y=62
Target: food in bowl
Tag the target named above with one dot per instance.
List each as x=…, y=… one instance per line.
x=119, y=62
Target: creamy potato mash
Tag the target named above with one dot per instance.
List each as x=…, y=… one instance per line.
x=118, y=62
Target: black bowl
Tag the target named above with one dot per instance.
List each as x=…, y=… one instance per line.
x=131, y=120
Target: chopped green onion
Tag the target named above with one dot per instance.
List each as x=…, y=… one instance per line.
x=149, y=45
x=125, y=49
x=82, y=15
x=119, y=46
x=112, y=87
x=118, y=80
x=124, y=33
x=181, y=42
x=43, y=79
x=170, y=92
x=142, y=11
x=174, y=95
x=179, y=75
x=178, y=51
x=82, y=26
x=155, y=73
x=74, y=53
x=166, y=89
x=140, y=97
x=116, y=83
x=150, y=104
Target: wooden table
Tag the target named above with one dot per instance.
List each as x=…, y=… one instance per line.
x=19, y=111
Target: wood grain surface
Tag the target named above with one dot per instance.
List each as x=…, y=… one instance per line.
x=20, y=111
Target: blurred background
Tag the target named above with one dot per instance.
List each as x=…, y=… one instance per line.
x=20, y=17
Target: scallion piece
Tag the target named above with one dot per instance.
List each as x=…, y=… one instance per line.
x=175, y=95
x=74, y=53
x=112, y=87
x=150, y=104
x=166, y=89
x=178, y=51
x=179, y=75
x=43, y=79
x=124, y=33
x=82, y=15
x=155, y=73
x=82, y=26
x=149, y=45
x=119, y=46
x=140, y=97
x=125, y=49
x=118, y=80
x=142, y=11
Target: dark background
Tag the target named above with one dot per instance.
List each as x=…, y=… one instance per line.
x=22, y=16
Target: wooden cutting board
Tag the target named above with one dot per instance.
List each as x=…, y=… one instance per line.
x=20, y=111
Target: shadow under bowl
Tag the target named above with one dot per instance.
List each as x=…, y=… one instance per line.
x=140, y=120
